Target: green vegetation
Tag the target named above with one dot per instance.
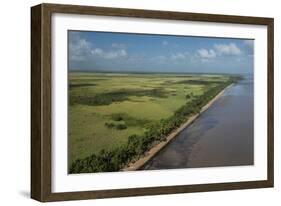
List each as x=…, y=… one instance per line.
x=116, y=118
x=116, y=96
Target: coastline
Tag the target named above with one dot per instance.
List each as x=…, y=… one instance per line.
x=157, y=148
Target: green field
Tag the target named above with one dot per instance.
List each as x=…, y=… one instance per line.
x=106, y=108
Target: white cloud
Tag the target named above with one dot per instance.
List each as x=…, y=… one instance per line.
x=218, y=50
x=79, y=49
x=97, y=51
x=206, y=54
x=109, y=54
x=180, y=56
x=227, y=49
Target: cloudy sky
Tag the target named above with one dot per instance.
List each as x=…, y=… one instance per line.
x=120, y=52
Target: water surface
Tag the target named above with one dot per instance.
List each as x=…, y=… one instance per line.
x=221, y=136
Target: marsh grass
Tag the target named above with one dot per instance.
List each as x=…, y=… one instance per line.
x=114, y=119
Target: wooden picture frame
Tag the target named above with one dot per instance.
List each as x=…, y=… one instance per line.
x=41, y=117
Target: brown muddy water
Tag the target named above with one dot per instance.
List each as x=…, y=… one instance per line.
x=221, y=136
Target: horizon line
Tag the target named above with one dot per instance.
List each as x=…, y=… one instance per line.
x=150, y=72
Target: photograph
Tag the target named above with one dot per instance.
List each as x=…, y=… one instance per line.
x=132, y=102
x=139, y=101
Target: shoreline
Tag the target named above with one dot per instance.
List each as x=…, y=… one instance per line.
x=157, y=148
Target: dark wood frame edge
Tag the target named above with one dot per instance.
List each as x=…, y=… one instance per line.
x=41, y=101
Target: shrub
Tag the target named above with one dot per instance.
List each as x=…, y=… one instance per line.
x=109, y=125
x=121, y=126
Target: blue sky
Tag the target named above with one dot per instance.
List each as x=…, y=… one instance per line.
x=122, y=52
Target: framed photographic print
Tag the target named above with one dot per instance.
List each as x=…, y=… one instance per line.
x=130, y=102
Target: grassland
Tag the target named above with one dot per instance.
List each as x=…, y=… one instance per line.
x=106, y=109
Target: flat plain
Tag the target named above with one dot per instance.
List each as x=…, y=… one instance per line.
x=105, y=109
